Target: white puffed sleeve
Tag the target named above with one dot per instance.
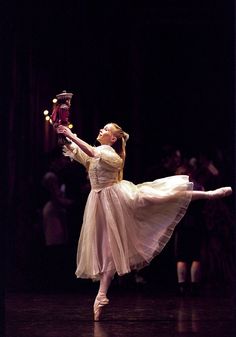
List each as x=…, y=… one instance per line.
x=109, y=156
x=75, y=153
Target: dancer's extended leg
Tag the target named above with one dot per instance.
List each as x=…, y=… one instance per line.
x=211, y=195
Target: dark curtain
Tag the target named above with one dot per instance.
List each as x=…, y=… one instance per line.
x=161, y=70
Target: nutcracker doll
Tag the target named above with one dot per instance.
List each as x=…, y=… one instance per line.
x=60, y=113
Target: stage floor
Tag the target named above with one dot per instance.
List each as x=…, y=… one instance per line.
x=130, y=313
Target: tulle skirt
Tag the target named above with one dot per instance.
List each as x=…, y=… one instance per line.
x=126, y=225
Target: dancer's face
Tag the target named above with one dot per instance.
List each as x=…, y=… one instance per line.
x=106, y=136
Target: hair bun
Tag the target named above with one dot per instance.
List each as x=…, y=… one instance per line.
x=126, y=136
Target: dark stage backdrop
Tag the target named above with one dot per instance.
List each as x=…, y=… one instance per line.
x=161, y=69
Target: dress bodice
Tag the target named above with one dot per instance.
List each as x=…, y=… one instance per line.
x=103, y=168
x=101, y=175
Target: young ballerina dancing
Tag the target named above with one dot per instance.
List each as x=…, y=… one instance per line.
x=124, y=225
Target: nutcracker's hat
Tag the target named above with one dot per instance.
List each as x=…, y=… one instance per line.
x=64, y=95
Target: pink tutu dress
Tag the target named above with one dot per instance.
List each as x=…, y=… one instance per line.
x=125, y=225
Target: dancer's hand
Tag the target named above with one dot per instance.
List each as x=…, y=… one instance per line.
x=65, y=131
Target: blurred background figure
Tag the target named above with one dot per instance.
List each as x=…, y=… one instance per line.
x=56, y=233
x=170, y=158
x=218, y=258
x=189, y=239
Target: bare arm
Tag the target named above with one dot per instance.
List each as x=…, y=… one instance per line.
x=85, y=147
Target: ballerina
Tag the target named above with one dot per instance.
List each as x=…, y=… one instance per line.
x=124, y=225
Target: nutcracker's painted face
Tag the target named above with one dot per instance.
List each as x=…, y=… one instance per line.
x=68, y=101
x=106, y=135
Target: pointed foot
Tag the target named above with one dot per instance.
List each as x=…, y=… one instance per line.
x=100, y=301
x=219, y=193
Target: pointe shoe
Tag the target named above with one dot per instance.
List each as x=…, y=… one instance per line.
x=221, y=192
x=99, y=303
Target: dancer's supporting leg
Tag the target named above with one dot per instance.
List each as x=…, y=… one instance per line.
x=101, y=298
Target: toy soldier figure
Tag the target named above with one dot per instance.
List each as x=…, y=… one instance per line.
x=60, y=114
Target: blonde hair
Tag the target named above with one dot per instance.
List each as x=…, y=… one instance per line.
x=120, y=144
